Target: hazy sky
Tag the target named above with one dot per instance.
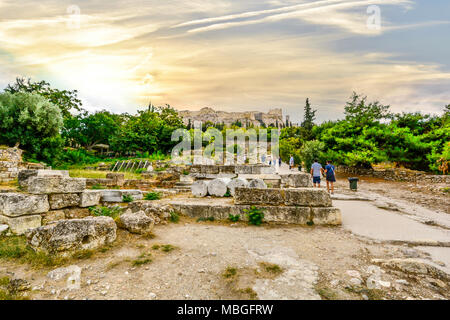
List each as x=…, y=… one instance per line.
x=232, y=55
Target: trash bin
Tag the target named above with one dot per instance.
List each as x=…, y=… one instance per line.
x=353, y=183
x=299, y=168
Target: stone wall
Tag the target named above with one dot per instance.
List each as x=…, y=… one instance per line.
x=396, y=174
x=52, y=195
x=11, y=163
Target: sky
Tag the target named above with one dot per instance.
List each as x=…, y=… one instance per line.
x=232, y=55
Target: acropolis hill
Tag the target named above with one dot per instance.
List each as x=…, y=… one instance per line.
x=272, y=118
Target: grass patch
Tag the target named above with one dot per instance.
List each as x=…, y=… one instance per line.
x=16, y=248
x=167, y=248
x=327, y=294
x=83, y=254
x=271, y=268
x=202, y=219
x=97, y=186
x=174, y=217
x=94, y=174
x=152, y=196
x=229, y=272
x=143, y=259
x=252, y=295
x=113, y=212
x=156, y=247
x=234, y=218
x=127, y=198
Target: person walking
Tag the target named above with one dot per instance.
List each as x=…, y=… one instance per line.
x=330, y=174
x=291, y=162
x=280, y=161
x=316, y=172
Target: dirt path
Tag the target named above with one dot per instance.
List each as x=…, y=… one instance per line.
x=314, y=262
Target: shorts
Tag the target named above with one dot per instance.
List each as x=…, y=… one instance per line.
x=331, y=178
x=316, y=179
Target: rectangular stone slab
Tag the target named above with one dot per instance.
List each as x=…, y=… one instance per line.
x=276, y=214
x=117, y=195
x=19, y=225
x=21, y=204
x=90, y=198
x=50, y=185
x=259, y=196
x=64, y=200
x=310, y=197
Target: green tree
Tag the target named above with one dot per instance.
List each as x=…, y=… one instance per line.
x=312, y=150
x=358, y=111
x=309, y=116
x=32, y=122
x=66, y=100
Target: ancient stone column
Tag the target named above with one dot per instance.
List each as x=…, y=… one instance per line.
x=200, y=188
x=237, y=183
x=218, y=187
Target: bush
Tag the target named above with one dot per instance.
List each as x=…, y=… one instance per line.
x=234, y=218
x=30, y=120
x=174, y=217
x=113, y=212
x=255, y=216
x=127, y=198
x=152, y=196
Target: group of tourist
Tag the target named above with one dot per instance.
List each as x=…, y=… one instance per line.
x=317, y=171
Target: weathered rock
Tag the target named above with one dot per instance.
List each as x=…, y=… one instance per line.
x=66, y=236
x=326, y=216
x=76, y=213
x=243, y=169
x=136, y=222
x=19, y=225
x=64, y=200
x=24, y=175
x=73, y=274
x=413, y=266
x=200, y=188
x=118, y=178
x=53, y=216
x=154, y=209
x=50, y=185
x=257, y=184
x=20, y=204
x=218, y=187
x=272, y=197
x=310, y=197
x=296, y=180
x=237, y=183
x=90, y=198
x=3, y=229
x=116, y=196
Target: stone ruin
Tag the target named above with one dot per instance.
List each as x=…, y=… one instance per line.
x=11, y=163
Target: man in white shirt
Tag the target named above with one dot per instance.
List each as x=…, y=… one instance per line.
x=316, y=172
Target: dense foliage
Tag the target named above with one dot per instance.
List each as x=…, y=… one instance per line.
x=370, y=134
x=31, y=122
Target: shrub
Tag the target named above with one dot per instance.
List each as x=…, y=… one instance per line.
x=174, y=217
x=202, y=219
x=113, y=212
x=255, y=216
x=97, y=186
x=127, y=198
x=234, y=218
x=152, y=196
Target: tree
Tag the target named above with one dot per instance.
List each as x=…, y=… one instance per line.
x=87, y=130
x=309, y=117
x=32, y=122
x=358, y=111
x=66, y=100
x=312, y=150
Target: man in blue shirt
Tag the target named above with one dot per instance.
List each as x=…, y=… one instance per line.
x=331, y=176
x=316, y=172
